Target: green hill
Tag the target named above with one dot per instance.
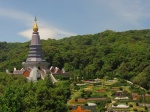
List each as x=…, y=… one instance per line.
x=113, y=54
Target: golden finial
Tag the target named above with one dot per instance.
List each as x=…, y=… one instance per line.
x=35, y=26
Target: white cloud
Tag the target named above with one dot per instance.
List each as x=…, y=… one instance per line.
x=45, y=30
x=14, y=14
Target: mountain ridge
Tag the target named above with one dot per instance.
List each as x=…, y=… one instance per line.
x=109, y=53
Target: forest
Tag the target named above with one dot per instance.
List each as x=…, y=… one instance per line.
x=124, y=55
x=19, y=95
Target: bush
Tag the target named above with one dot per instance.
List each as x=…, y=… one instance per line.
x=70, y=107
x=119, y=84
x=115, y=104
x=85, y=104
x=76, y=99
x=95, y=84
x=86, y=94
x=123, y=81
x=76, y=87
x=108, y=100
x=82, y=95
x=137, y=104
x=105, y=95
x=113, y=94
x=121, y=88
x=89, y=93
x=135, y=109
x=86, y=97
x=130, y=105
x=74, y=84
x=95, y=95
x=148, y=92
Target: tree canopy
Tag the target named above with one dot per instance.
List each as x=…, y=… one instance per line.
x=109, y=53
x=18, y=95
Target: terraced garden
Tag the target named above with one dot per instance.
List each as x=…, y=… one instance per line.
x=108, y=95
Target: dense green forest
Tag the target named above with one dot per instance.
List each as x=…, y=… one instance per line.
x=18, y=95
x=109, y=53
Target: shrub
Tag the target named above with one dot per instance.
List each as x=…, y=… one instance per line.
x=108, y=100
x=74, y=84
x=135, y=109
x=95, y=95
x=146, y=108
x=82, y=95
x=85, y=104
x=130, y=105
x=137, y=104
x=123, y=81
x=148, y=92
x=95, y=84
x=105, y=95
x=121, y=88
x=76, y=88
x=70, y=107
x=113, y=94
x=89, y=93
x=115, y=104
x=76, y=99
x=86, y=97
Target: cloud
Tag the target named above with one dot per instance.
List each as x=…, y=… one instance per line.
x=45, y=30
x=125, y=14
x=130, y=11
x=14, y=14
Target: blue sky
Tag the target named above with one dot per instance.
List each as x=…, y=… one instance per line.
x=64, y=18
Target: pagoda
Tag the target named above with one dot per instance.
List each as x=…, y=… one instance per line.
x=35, y=56
x=35, y=65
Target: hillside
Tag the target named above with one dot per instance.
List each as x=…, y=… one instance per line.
x=109, y=53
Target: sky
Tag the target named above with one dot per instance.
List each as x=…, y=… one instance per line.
x=64, y=18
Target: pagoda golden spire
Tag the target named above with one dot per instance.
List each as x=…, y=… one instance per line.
x=35, y=26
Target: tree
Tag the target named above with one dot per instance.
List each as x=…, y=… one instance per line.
x=22, y=96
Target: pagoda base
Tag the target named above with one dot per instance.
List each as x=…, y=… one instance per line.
x=39, y=65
